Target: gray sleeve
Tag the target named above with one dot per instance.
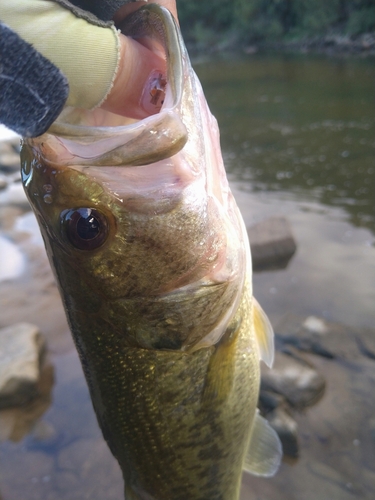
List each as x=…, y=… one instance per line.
x=102, y=9
x=33, y=91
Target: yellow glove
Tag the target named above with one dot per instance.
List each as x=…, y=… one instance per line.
x=88, y=55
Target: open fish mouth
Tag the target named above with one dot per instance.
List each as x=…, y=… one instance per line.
x=98, y=137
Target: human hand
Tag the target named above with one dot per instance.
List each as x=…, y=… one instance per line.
x=102, y=67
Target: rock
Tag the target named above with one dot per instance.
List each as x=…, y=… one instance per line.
x=3, y=181
x=275, y=408
x=21, y=350
x=12, y=261
x=11, y=161
x=27, y=223
x=269, y=401
x=14, y=194
x=18, y=421
x=297, y=381
x=286, y=428
x=316, y=325
x=365, y=340
x=326, y=339
x=44, y=432
x=8, y=216
x=272, y=244
x=9, y=157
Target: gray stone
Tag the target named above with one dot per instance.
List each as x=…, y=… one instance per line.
x=12, y=260
x=269, y=401
x=14, y=194
x=21, y=350
x=18, y=421
x=9, y=157
x=272, y=244
x=3, y=181
x=326, y=339
x=286, y=427
x=297, y=381
x=10, y=160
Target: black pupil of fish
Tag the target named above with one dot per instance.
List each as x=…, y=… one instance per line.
x=86, y=228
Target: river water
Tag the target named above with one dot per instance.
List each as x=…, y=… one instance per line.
x=298, y=139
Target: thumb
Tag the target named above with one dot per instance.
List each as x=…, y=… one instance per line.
x=139, y=72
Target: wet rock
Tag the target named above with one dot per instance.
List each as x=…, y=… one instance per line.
x=365, y=341
x=326, y=339
x=3, y=181
x=8, y=216
x=9, y=155
x=12, y=261
x=18, y=421
x=21, y=350
x=297, y=381
x=286, y=428
x=316, y=325
x=272, y=244
x=269, y=401
x=27, y=223
x=14, y=194
x=43, y=432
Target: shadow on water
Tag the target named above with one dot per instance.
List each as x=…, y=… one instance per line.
x=300, y=124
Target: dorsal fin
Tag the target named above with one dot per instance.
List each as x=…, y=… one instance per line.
x=263, y=333
x=265, y=451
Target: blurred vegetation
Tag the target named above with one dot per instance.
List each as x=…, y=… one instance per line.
x=228, y=22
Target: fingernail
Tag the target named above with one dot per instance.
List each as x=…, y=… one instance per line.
x=154, y=92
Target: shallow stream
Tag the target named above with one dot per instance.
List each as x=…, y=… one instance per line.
x=298, y=139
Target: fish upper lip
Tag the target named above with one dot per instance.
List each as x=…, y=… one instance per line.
x=100, y=138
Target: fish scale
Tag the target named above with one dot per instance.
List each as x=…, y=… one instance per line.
x=177, y=383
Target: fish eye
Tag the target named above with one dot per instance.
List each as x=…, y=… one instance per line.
x=85, y=228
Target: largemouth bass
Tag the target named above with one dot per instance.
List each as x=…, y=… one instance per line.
x=153, y=264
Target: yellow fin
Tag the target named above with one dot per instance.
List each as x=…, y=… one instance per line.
x=264, y=334
x=265, y=451
x=220, y=373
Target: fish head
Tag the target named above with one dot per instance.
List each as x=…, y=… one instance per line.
x=141, y=212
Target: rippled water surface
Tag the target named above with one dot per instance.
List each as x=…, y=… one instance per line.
x=299, y=124
x=298, y=138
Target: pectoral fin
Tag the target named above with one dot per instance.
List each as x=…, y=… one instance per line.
x=265, y=451
x=220, y=373
x=264, y=334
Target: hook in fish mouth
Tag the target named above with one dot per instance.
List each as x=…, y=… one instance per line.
x=101, y=138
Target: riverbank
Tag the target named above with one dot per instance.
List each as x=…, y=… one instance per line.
x=331, y=44
x=363, y=45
